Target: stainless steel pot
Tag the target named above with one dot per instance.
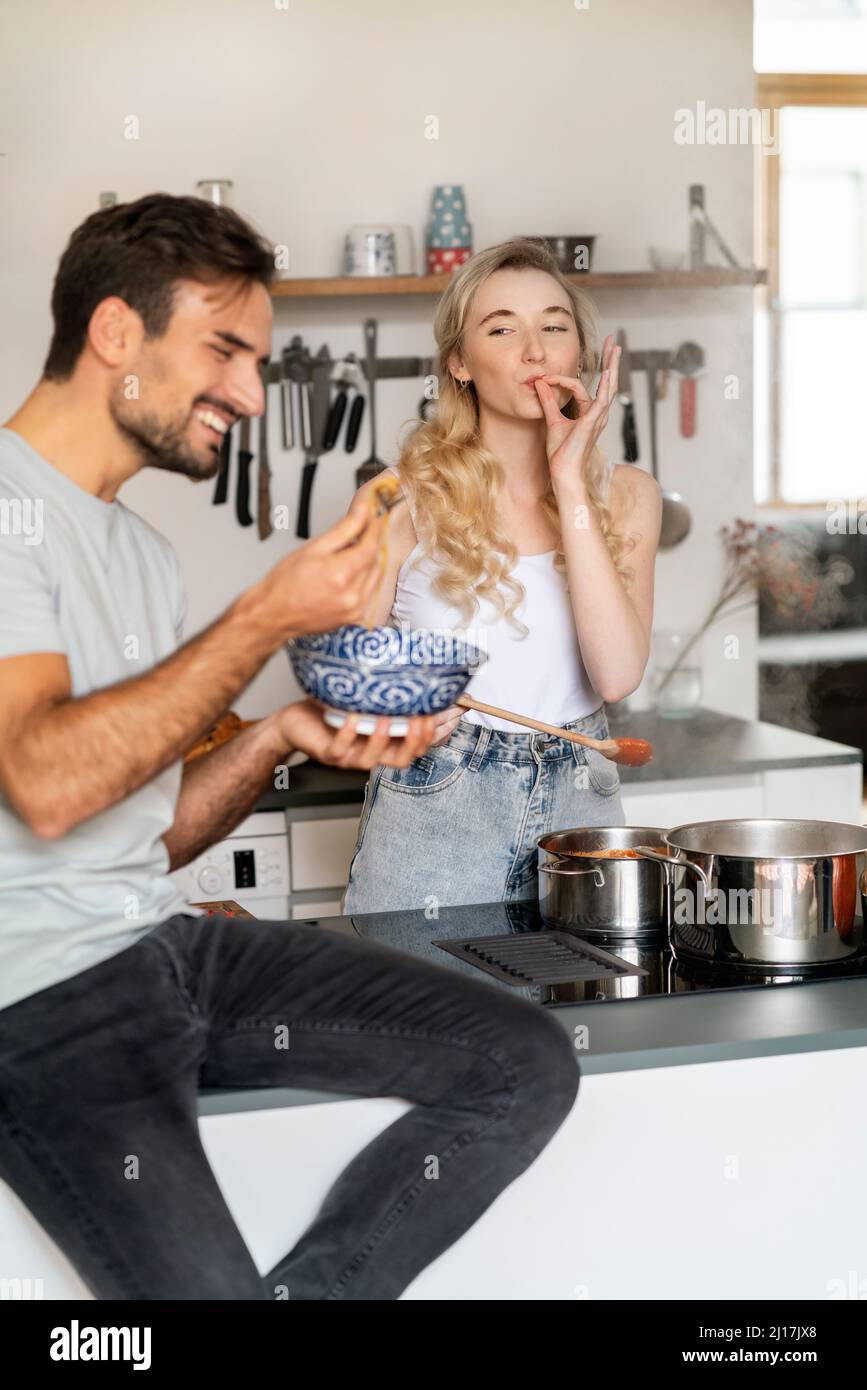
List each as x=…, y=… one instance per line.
x=767, y=892
x=619, y=896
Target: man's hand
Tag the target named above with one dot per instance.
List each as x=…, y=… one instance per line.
x=303, y=727
x=327, y=582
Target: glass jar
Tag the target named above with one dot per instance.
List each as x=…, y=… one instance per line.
x=676, y=681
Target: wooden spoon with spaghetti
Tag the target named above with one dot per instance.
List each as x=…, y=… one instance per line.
x=631, y=752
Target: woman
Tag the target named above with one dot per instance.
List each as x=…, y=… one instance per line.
x=516, y=521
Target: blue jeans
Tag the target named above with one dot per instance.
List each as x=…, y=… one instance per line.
x=107, y=1065
x=461, y=823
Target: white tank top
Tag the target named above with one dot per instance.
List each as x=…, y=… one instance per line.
x=541, y=675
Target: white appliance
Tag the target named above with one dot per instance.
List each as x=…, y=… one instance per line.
x=250, y=866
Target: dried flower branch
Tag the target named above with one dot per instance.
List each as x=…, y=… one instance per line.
x=783, y=568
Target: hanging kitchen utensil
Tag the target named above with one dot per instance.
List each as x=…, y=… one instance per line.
x=336, y=412
x=371, y=465
x=319, y=402
x=356, y=411
x=688, y=360
x=676, y=516
x=221, y=491
x=348, y=378
x=624, y=396
x=245, y=458
x=263, y=509
x=287, y=414
x=294, y=376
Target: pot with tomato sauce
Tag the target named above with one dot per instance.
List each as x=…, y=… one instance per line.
x=596, y=880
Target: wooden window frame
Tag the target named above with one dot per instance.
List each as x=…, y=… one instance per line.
x=774, y=90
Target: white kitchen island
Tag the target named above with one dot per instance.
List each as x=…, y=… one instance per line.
x=715, y=1151
x=718, y=1141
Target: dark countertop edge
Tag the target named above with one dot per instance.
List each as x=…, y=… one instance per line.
x=691, y=1053
x=713, y=765
x=629, y=778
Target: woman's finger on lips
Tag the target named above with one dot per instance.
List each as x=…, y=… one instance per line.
x=577, y=389
x=545, y=396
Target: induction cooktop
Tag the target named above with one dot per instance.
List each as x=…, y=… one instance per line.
x=510, y=945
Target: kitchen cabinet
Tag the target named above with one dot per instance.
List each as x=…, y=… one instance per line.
x=320, y=850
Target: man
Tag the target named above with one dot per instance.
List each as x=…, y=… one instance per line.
x=117, y=1000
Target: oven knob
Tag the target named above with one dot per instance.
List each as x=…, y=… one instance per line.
x=210, y=879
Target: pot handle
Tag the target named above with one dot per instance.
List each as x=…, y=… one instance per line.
x=668, y=861
x=598, y=876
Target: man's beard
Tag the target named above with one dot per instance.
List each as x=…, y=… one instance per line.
x=158, y=444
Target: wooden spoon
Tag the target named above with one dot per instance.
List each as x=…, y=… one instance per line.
x=632, y=752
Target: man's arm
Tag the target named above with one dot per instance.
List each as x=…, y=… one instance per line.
x=63, y=760
x=220, y=788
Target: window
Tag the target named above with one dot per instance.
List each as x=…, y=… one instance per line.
x=811, y=338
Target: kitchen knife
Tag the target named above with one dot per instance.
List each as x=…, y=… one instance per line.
x=286, y=412
x=624, y=396
x=335, y=416
x=242, y=496
x=221, y=491
x=320, y=398
x=263, y=510
x=356, y=411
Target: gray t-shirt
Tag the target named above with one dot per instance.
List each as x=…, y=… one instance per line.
x=94, y=581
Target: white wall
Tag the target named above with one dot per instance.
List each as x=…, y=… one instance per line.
x=552, y=117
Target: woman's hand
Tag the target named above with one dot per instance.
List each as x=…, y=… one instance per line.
x=445, y=724
x=570, y=443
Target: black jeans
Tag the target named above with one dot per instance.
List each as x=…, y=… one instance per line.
x=99, y=1078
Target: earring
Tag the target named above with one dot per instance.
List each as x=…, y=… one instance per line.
x=464, y=382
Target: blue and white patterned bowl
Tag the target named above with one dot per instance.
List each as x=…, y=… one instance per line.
x=384, y=670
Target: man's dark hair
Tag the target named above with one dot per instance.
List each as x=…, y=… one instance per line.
x=140, y=251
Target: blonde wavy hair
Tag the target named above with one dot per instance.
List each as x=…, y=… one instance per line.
x=453, y=479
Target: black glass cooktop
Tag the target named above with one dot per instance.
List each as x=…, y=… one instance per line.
x=612, y=968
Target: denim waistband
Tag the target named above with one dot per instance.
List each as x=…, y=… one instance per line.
x=482, y=741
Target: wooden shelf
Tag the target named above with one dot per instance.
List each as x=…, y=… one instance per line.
x=354, y=286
